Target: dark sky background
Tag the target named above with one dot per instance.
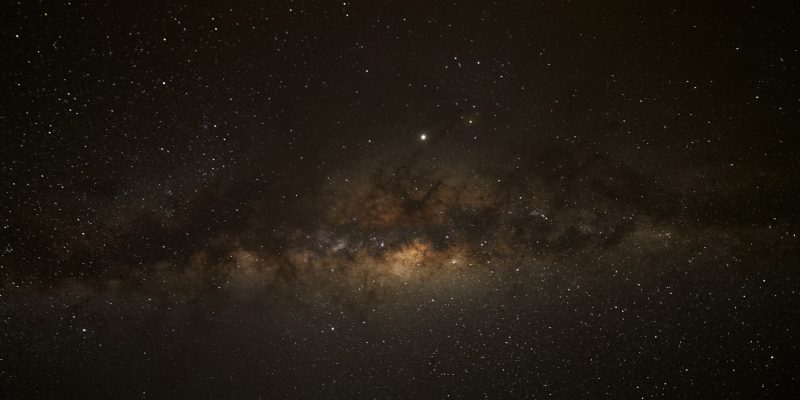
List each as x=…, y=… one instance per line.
x=399, y=199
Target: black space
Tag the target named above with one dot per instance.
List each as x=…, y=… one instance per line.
x=400, y=200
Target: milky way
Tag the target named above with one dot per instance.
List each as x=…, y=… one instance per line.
x=301, y=200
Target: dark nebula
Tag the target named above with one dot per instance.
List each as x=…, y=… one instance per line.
x=400, y=200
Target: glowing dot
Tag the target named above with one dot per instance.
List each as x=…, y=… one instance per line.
x=423, y=137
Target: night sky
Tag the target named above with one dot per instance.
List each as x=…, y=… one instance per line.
x=400, y=200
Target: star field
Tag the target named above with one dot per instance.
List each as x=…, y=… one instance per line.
x=380, y=200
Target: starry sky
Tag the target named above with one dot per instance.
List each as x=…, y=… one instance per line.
x=399, y=199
